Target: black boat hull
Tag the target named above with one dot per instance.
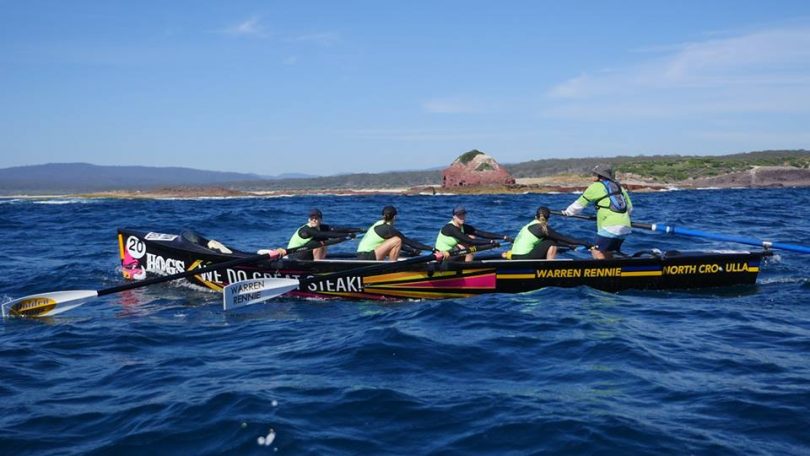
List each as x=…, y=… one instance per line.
x=146, y=252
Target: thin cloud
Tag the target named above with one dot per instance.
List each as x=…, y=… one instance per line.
x=325, y=39
x=762, y=71
x=251, y=27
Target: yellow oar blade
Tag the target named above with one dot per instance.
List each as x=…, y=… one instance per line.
x=47, y=304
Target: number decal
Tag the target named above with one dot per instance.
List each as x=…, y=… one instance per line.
x=135, y=247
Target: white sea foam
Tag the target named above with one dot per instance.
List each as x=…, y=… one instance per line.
x=203, y=198
x=772, y=280
x=65, y=201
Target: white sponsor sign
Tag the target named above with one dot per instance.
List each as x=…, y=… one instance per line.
x=158, y=264
x=160, y=237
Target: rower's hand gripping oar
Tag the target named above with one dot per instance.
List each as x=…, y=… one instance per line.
x=670, y=229
x=56, y=302
x=247, y=292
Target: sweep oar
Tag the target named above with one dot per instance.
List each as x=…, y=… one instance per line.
x=682, y=231
x=254, y=291
x=56, y=302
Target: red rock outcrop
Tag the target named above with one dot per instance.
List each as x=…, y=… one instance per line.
x=475, y=168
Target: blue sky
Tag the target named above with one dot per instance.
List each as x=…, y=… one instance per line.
x=334, y=87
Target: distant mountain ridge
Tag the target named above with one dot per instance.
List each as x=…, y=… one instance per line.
x=85, y=177
x=61, y=178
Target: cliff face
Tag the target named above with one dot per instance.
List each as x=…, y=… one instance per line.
x=475, y=168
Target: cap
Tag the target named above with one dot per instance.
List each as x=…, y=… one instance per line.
x=315, y=213
x=543, y=211
x=459, y=210
x=603, y=170
x=389, y=211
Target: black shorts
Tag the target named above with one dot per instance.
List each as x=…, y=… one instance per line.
x=302, y=256
x=367, y=255
x=606, y=244
x=306, y=255
x=539, y=251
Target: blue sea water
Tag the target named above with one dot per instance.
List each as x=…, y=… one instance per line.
x=162, y=370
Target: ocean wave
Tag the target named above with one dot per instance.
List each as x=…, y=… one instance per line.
x=62, y=201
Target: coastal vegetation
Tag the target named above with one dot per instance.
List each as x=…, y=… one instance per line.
x=466, y=157
x=671, y=169
x=665, y=168
x=658, y=169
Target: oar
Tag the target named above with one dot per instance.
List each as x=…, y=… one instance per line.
x=670, y=229
x=56, y=302
x=254, y=291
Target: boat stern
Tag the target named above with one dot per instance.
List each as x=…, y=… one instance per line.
x=131, y=250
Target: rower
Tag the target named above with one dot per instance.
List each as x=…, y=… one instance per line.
x=383, y=240
x=456, y=233
x=537, y=241
x=613, y=208
x=313, y=233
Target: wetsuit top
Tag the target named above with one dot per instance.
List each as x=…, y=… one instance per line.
x=380, y=231
x=532, y=234
x=611, y=221
x=306, y=234
x=451, y=235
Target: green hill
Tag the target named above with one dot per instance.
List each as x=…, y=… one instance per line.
x=661, y=168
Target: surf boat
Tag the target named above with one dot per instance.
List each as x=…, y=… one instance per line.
x=145, y=253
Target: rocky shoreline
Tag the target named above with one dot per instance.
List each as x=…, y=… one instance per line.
x=758, y=177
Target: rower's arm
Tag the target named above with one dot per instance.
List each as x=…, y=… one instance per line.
x=387, y=231
x=591, y=193
x=319, y=235
x=415, y=244
x=484, y=234
x=342, y=229
x=555, y=236
x=454, y=231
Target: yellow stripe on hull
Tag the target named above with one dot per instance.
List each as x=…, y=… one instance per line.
x=410, y=276
x=121, y=246
x=516, y=276
x=415, y=294
x=642, y=274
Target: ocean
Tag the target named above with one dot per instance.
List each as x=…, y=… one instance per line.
x=162, y=370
